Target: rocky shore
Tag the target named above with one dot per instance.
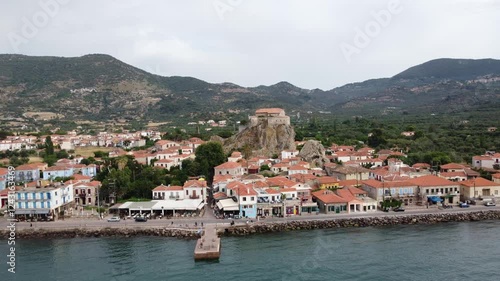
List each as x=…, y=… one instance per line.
x=363, y=222
x=103, y=232
x=257, y=228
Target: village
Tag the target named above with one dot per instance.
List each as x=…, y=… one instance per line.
x=351, y=181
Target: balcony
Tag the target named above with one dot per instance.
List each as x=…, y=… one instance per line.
x=194, y=197
x=159, y=197
x=173, y=197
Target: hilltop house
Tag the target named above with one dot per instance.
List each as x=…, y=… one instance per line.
x=348, y=172
x=229, y=168
x=57, y=172
x=27, y=173
x=486, y=161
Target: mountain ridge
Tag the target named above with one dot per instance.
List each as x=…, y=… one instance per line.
x=101, y=87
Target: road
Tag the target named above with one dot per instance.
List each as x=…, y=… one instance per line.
x=195, y=223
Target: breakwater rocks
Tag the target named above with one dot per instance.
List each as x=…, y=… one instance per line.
x=103, y=232
x=361, y=222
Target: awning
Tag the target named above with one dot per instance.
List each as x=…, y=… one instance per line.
x=32, y=211
x=176, y=205
x=228, y=205
x=435, y=199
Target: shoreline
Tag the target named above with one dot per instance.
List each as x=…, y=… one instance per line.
x=254, y=228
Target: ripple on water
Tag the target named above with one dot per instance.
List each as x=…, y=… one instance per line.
x=452, y=251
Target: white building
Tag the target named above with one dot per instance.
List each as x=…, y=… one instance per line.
x=44, y=201
x=287, y=154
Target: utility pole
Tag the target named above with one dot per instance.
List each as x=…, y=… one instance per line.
x=98, y=203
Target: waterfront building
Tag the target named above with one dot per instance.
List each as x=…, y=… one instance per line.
x=87, y=193
x=434, y=189
x=479, y=188
x=47, y=202
x=329, y=202
x=405, y=191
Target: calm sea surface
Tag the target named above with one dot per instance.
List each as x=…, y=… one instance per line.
x=454, y=251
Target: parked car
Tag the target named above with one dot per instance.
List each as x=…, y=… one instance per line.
x=141, y=219
x=464, y=205
x=114, y=219
x=489, y=204
x=399, y=209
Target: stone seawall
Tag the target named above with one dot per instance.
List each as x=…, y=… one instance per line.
x=102, y=232
x=258, y=228
x=362, y=222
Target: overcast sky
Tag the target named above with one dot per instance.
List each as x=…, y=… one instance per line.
x=309, y=43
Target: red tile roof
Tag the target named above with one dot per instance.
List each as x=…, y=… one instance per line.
x=479, y=182
x=431, y=180
x=167, y=188
x=228, y=165
x=195, y=183
x=328, y=197
x=452, y=166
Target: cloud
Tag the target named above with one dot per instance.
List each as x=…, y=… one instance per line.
x=260, y=41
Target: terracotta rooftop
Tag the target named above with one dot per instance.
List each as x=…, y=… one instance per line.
x=328, y=197
x=431, y=180
x=167, y=188
x=327, y=180
x=452, y=166
x=269, y=110
x=195, y=183
x=479, y=182
x=389, y=184
x=229, y=165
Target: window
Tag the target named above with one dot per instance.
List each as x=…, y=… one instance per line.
x=187, y=192
x=90, y=200
x=496, y=192
x=89, y=191
x=244, y=199
x=76, y=192
x=55, y=193
x=252, y=198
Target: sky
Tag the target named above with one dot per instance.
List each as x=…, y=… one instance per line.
x=309, y=43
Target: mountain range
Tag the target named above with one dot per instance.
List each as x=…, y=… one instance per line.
x=100, y=87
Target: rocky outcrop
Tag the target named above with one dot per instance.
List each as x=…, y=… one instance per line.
x=314, y=153
x=263, y=138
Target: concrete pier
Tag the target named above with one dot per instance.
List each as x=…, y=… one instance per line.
x=208, y=246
